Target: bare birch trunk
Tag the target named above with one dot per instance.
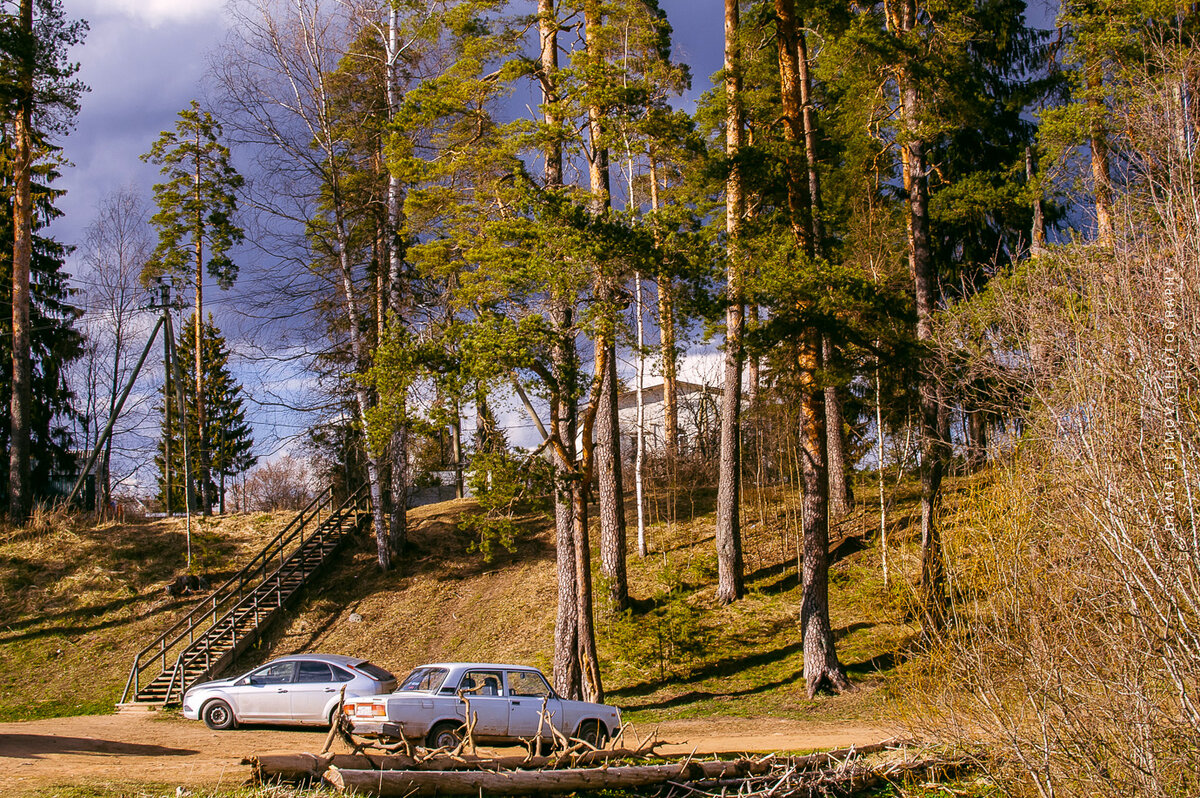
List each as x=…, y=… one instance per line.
x=398, y=445
x=640, y=443
x=1098, y=143
x=883, y=544
x=666, y=343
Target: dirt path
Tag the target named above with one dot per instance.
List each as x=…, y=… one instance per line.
x=121, y=750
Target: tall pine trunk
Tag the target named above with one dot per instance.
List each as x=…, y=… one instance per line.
x=821, y=665
x=568, y=483
x=202, y=465
x=20, y=409
x=730, y=576
x=613, y=540
x=924, y=273
x=835, y=438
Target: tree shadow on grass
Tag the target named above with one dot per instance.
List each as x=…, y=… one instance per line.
x=874, y=666
x=78, y=614
x=694, y=696
x=723, y=667
x=32, y=746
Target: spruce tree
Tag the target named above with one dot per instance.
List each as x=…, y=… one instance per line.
x=228, y=438
x=54, y=341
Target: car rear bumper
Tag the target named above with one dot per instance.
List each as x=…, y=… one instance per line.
x=377, y=728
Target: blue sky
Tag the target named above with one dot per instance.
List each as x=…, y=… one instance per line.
x=144, y=60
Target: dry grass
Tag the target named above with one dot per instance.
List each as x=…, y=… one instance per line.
x=78, y=601
x=447, y=604
x=83, y=600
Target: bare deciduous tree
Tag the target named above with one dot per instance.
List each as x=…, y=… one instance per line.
x=116, y=247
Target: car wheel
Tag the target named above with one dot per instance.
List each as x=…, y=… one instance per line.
x=447, y=734
x=592, y=733
x=218, y=715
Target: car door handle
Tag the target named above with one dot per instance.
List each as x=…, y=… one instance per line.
x=516, y=703
x=281, y=690
x=330, y=690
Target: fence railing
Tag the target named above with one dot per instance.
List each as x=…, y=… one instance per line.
x=188, y=637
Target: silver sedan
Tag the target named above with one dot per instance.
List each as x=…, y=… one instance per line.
x=302, y=689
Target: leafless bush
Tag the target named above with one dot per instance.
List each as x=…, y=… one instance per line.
x=1076, y=650
x=281, y=484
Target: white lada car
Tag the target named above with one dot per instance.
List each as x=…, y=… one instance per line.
x=506, y=703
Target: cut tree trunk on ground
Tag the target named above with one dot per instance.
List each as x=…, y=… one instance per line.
x=297, y=767
x=516, y=782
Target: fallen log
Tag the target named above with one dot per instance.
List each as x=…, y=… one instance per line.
x=508, y=782
x=298, y=767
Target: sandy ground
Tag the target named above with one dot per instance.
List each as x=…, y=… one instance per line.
x=133, y=749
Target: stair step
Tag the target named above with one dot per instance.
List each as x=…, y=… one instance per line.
x=258, y=604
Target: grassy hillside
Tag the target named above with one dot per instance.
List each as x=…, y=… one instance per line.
x=77, y=603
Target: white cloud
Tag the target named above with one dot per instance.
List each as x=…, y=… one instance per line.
x=158, y=12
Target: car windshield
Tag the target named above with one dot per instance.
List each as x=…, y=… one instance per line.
x=424, y=680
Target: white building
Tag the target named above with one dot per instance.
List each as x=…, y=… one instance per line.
x=698, y=411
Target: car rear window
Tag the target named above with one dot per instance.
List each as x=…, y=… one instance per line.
x=425, y=680
x=375, y=672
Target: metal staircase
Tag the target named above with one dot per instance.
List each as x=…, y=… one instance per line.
x=223, y=624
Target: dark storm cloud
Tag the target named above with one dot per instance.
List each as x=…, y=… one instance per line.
x=142, y=68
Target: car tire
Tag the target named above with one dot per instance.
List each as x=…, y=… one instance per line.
x=218, y=715
x=447, y=734
x=592, y=733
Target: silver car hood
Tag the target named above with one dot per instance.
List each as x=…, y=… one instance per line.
x=214, y=683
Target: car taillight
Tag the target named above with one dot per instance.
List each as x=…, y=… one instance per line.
x=379, y=710
x=348, y=709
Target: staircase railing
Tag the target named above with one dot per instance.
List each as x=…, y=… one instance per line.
x=220, y=605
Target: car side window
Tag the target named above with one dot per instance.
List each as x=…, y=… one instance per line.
x=528, y=683
x=340, y=675
x=310, y=672
x=481, y=683
x=275, y=673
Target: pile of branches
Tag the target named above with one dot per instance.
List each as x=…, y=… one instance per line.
x=378, y=767
x=842, y=772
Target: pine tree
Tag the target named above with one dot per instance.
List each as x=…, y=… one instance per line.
x=228, y=439
x=38, y=98
x=196, y=206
